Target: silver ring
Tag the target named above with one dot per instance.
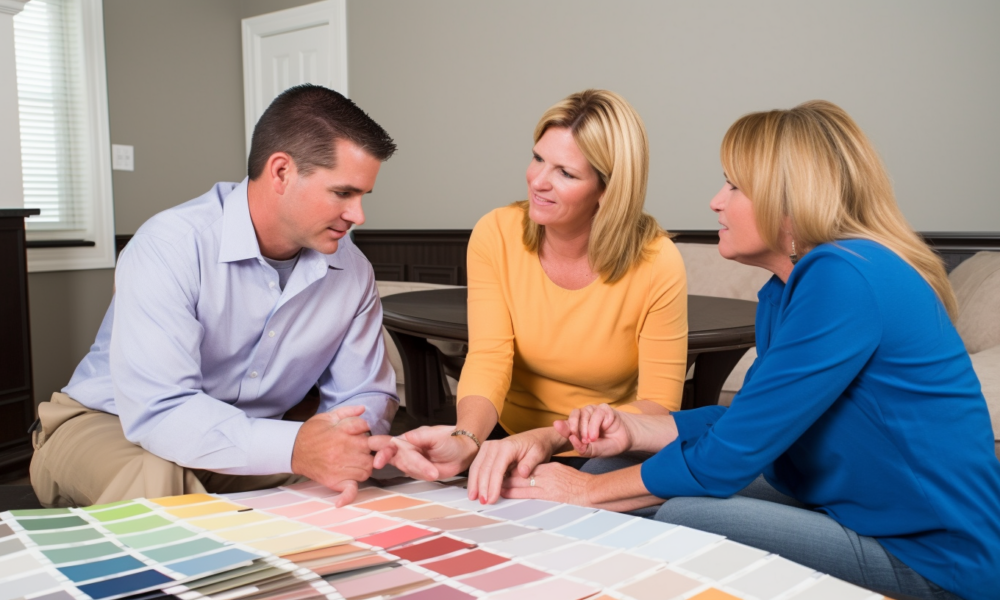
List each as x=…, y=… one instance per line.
x=531, y=482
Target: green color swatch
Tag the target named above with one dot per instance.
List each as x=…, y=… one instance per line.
x=52, y=523
x=85, y=552
x=137, y=525
x=40, y=512
x=183, y=550
x=157, y=538
x=71, y=536
x=124, y=512
x=98, y=507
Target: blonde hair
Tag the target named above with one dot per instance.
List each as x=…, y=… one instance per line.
x=814, y=165
x=613, y=139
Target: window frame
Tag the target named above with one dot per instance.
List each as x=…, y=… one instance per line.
x=101, y=255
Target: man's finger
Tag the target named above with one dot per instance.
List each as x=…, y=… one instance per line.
x=344, y=412
x=427, y=437
x=348, y=492
x=562, y=428
x=353, y=426
x=377, y=443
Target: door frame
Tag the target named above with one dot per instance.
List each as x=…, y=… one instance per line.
x=329, y=12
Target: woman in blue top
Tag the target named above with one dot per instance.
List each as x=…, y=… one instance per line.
x=862, y=411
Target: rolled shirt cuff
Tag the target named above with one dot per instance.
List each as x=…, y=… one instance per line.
x=271, y=445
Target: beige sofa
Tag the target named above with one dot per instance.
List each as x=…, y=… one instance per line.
x=976, y=282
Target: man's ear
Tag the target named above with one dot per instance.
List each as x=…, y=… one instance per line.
x=281, y=171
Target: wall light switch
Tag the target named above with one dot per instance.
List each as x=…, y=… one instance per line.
x=122, y=157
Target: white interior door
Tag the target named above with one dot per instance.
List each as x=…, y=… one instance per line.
x=307, y=44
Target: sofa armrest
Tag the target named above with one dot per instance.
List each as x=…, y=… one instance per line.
x=987, y=366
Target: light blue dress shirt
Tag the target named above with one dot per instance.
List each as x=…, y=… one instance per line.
x=201, y=352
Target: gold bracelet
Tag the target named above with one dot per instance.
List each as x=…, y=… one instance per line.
x=469, y=435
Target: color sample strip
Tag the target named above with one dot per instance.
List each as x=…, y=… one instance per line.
x=29, y=584
x=520, y=510
x=171, y=501
x=431, y=549
x=17, y=564
x=447, y=494
x=429, y=511
x=11, y=546
x=615, y=569
x=5, y=530
x=122, y=512
x=634, y=534
x=201, y=510
x=67, y=536
x=390, y=503
x=495, y=533
x=773, y=578
x=460, y=522
x=137, y=525
x=158, y=537
x=713, y=594
x=723, y=560
x=505, y=577
x=40, y=512
x=49, y=523
x=679, y=543
x=341, y=550
x=126, y=584
x=294, y=511
x=415, y=487
x=261, y=531
x=318, y=492
x=596, y=524
x=210, y=563
x=225, y=521
x=272, y=500
x=438, y=592
x=662, y=584
x=476, y=505
x=59, y=595
x=397, y=536
x=299, y=542
x=550, y=589
x=379, y=582
x=829, y=588
x=335, y=566
x=570, y=557
x=332, y=516
x=553, y=519
x=101, y=568
x=530, y=544
x=183, y=550
x=364, y=527
x=83, y=552
x=467, y=562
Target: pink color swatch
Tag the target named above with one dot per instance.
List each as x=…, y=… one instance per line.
x=332, y=516
x=397, y=536
x=504, y=578
x=272, y=500
x=363, y=527
x=293, y=511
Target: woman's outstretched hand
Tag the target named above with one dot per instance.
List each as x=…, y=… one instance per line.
x=518, y=454
x=597, y=430
x=427, y=453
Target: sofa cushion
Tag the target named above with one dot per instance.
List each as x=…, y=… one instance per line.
x=708, y=274
x=987, y=366
x=977, y=286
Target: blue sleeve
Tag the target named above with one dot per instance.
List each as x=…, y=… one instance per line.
x=827, y=328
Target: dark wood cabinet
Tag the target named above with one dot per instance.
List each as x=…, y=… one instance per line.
x=17, y=399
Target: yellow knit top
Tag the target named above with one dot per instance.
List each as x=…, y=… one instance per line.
x=537, y=351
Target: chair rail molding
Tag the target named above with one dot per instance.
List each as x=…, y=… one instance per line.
x=306, y=44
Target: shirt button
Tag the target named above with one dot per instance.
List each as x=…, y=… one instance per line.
x=253, y=375
x=270, y=284
x=270, y=334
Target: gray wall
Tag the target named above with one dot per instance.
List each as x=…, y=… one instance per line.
x=460, y=85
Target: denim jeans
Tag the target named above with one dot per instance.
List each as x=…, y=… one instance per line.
x=764, y=518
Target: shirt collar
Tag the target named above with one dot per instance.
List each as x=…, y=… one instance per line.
x=239, y=240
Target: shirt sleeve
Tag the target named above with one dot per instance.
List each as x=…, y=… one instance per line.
x=489, y=363
x=156, y=372
x=664, y=331
x=827, y=328
x=360, y=373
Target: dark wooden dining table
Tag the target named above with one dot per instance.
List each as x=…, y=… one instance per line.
x=720, y=330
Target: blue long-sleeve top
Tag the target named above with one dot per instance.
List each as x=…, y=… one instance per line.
x=863, y=404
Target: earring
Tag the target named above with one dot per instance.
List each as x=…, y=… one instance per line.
x=793, y=256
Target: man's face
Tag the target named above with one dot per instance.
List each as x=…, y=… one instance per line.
x=319, y=209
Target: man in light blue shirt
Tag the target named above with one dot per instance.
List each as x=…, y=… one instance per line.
x=227, y=310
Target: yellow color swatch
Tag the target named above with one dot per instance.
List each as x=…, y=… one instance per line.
x=261, y=531
x=183, y=500
x=300, y=542
x=201, y=510
x=214, y=523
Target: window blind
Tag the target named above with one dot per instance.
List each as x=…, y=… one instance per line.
x=54, y=130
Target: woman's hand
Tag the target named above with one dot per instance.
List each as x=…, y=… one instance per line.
x=427, y=453
x=597, y=430
x=551, y=481
x=520, y=453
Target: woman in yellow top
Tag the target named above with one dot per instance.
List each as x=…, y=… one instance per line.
x=576, y=297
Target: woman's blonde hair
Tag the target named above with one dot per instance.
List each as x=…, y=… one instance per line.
x=613, y=139
x=814, y=165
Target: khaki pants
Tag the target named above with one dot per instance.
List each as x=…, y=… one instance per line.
x=82, y=458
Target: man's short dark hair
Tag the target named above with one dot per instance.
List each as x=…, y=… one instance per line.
x=305, y=121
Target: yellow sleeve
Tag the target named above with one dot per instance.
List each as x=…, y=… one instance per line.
x=488, y=366
x=664, y=332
